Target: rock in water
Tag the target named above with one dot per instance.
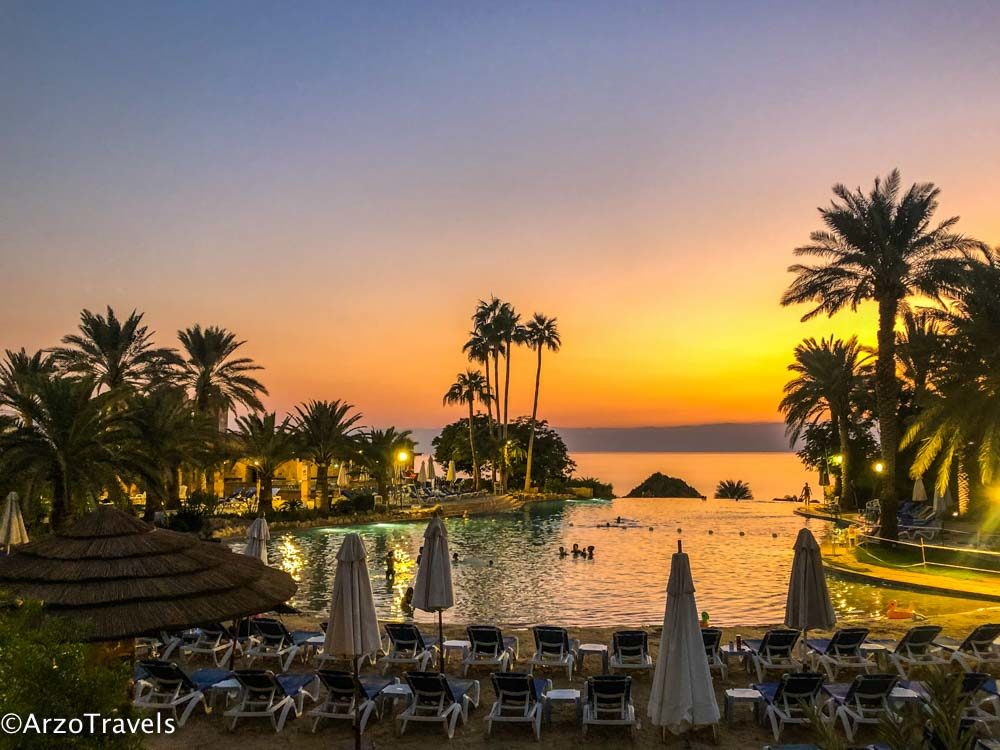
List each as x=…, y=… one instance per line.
x=660, y=485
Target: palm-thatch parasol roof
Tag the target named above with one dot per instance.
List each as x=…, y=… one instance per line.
x=127, y=578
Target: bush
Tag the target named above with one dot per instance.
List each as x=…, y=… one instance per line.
x=45, y=671
x=189, y=519
x=599, y=488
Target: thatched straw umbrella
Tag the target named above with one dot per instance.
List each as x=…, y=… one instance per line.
x=122, y=578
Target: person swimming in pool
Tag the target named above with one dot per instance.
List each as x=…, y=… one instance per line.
x=563, y=552
x=406, y=604
x=454, y=557
x=590, y=552
x=390, y=565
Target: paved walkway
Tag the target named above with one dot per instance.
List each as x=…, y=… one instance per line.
x=984, y=586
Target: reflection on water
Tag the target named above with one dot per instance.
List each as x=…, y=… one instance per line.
x=740, y=556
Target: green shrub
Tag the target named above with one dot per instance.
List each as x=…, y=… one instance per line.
x=189, y=519
x=44, y=671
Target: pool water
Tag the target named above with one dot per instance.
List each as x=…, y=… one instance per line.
x=741, y=555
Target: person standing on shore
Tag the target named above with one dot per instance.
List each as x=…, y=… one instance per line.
x=806, y=495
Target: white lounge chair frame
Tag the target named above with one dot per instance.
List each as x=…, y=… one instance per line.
x=527, y=712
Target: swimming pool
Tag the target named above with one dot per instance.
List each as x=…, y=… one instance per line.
x=741, y=555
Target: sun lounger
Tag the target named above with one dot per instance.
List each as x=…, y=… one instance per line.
x=554, y=648
x=341, y=699
x=435, y=698
x=407, y=647
x=978, y=689
x=630, y=650
x=978, y=652
x=265, y=695
x=215, y=641
x=272, y=640
x=163, y=686
x=774, y=652
x=785, y=700
x=608, y=701
x=916, y=649
x=864, y=701
x=842, y=651
x=520, y=698
x=489, y=648
x=712, y=638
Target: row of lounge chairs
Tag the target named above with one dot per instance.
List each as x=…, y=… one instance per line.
x=866, y=700
x=432, y=697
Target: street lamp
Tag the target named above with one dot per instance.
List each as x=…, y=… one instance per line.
x=879, y=467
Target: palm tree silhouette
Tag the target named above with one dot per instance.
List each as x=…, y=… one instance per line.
x=378, y=450
x=266, y=444
x=960, y=410
x=469, y=387
x=826, y=380
x=218, y=381
x=733, y=489
x=326, y=432
x=882, y=247
x=72, y=439
x=539, y=333
x=118, y=354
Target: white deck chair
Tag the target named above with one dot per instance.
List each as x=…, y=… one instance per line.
x=267, y=696
x=608, y=702
x=916, y=649
x=520, y=699
x=785, y=700
x=489, y=648
x=435, y=698
x=630, y=650
x=163, y=686
x=341, y=699
x=407, y=647
x=865, y=701
x=554, y=648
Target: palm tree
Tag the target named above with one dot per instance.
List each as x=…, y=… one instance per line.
x=218, y=380
x=18, y=373
x=266, y=444
x=378, y=452
x=117, y=354
x=469, y=387
x=917, y=348
x=326, y=432
x=540, y=333
x=827, y=379
x=508, y=329
x=480, y=350
x=957, y=424
x=733, y=489
x=882, y=247
x=171, y=434
x=72, y=440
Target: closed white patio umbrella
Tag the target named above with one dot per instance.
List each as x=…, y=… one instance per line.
x=682, y=695
x=12, y=529
x=808, y=606
x=432, y=589
x=451, y=472
x=342, y=479
x=353, y=629
x=257, y=537
x=422, y=474
x=431, y=474
x=919, y=491
x=942, y=501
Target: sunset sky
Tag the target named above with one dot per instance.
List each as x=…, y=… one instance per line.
x=339, y=183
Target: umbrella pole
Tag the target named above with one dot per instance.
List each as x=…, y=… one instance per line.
x=440, y=641
x=357, y=679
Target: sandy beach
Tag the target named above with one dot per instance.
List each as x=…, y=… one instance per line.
x=210, y=731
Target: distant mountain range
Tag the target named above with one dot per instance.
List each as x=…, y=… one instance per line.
x=734, y=437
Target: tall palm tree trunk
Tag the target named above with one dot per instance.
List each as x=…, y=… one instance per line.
x=534, y=416
x=322, y=486
x=887, y=396
x=489, y=414
x=472, y=448
x=60, y=499
x=264, y=501
x=496, y=384
x=847, y=498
